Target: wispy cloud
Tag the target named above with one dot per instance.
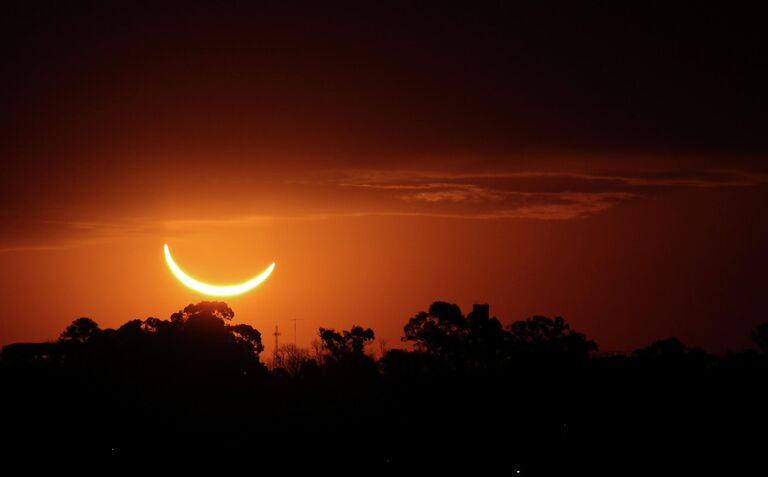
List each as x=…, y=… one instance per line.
x=430, y=179
x=455, y=193
x=473, y=195
x=46, y=234
x=540, y=195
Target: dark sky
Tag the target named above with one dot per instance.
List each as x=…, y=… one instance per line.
x=629, y=139
x=490, y=76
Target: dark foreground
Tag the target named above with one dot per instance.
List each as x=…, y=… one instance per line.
x=475, y=396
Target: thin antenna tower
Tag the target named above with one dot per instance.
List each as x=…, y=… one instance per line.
x=276, y=354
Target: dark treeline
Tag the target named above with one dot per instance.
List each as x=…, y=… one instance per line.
x=531, y=398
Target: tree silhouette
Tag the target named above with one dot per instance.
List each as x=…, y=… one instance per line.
x=293, y=359
x=132, y=328
x=80, y=331
x=441, y=330
x=760, y=337
x=197, y=376
x=343, y=357
x=667, y=349
x=486, y=337
x=153, y=325
x=547, y=336
x=248, y=336
x=205, y=325
x=205, y=311
x=480, y=341
x=347, y=343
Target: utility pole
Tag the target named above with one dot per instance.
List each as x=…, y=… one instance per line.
x=276, y=354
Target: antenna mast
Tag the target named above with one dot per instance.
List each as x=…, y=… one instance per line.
x=276, y=361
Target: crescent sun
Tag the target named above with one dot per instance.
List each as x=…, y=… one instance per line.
x=215, y=290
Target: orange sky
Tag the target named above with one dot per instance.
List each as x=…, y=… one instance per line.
x=384, y=159
x=639, y=265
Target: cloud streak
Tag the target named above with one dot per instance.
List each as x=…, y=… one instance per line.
x=537, y=195
x=474, y=195
x=431, y=179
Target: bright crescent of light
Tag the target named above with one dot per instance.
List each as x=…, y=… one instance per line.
x=215, y=290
